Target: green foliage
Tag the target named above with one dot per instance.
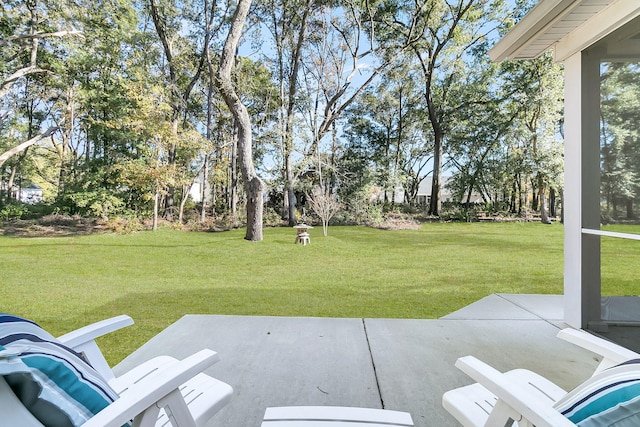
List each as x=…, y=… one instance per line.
x=373, y=214
x=39, y=210
x=137, y=114
x=99, y=203
x=457, y=213
x=388, y=142
x=125, y=224
x=620, y=140
x=12, y=211
x=99, y=191
x=271, y=217
x=498, y=150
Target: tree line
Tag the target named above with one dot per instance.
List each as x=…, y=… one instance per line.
x=118, y=107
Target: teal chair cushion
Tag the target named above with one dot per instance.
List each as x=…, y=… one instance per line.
x=610, y=398
x=51, y=380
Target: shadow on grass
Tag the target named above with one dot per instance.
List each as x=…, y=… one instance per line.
x=153, y=312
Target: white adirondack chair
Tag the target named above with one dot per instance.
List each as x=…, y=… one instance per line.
x=202, y=407
x=611, y=353
x=161, y=392
x=521, y=397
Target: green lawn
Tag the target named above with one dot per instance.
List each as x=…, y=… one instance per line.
x=157, y=277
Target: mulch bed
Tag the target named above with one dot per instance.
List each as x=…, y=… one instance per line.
x=52, y=226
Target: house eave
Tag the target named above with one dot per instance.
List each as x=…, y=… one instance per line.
x=530, y=27
x=566, y=26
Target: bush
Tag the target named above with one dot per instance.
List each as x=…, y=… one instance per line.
x=122, y=225
x=271, y=218
x=38, y=210
x=99, y=203
x=13, y=211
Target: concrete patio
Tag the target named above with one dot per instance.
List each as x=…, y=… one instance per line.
x=381, y=363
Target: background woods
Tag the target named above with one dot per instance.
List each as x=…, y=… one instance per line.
x=132, y=109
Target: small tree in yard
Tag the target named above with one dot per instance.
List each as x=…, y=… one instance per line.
x=325, y=206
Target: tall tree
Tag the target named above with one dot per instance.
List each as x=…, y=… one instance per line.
x=441, y=33
x=288, y=22
x=536, y=100
x=620, y=174
x=389, y=117
x=24, y=27
x=185, y=61
x=94, y=105
x=254, y=186
x=481, y=123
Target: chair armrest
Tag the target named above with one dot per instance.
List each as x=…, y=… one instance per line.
x=83, y=341
x=95, y=330
x=612, y=354
x=145, y=399
x=518, y=400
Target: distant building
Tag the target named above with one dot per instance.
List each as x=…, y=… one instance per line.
x=423, y=197
x=30, y=195
x=195, y=192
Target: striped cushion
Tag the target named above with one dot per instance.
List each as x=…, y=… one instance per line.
x=611, y=398
x=55, y=383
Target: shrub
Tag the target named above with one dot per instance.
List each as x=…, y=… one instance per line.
x=38, y=210
x=270, y=217
x=123, y=225
x=13, y=211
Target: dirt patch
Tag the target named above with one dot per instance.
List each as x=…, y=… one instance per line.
x=398, y=222
x=52, y=226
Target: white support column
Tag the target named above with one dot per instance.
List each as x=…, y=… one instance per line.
x=572, y=200
x=581, y=205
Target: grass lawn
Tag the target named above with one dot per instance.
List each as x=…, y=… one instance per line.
x=157, y=277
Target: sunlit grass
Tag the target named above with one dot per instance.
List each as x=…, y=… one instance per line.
x=157, y=277
x=620, y=274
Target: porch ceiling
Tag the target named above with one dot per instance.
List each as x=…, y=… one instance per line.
x=569, y=26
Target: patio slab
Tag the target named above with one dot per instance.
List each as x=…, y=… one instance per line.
x=274, y=361
x=399, y=364
x=513, y=307
x=415, y=359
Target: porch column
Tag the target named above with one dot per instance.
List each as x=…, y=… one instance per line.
x=582, y=296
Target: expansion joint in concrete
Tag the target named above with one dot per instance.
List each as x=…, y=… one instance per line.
x=373, y=363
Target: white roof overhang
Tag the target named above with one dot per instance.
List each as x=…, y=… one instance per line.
x=567, y=26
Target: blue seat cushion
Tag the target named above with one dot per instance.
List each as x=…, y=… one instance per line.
x=51, y=380
x=610, y=398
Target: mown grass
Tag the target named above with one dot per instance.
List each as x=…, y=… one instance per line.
x=157, y=277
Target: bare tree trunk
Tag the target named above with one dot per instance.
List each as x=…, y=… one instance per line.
x=552, y=202
x=156, y=202
x=512, y=201
x=521, y=196
x=233, y=191
x=535, y=195
x=294, y=67
x=15, y=150
x=11, y=180
x=183, y=201
x=289, y=194
x=428, y=67
x=252, y=183
x=544, y=212
x=179, y=100
x=434, y=204
x=203, y=193
x=207, y=157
